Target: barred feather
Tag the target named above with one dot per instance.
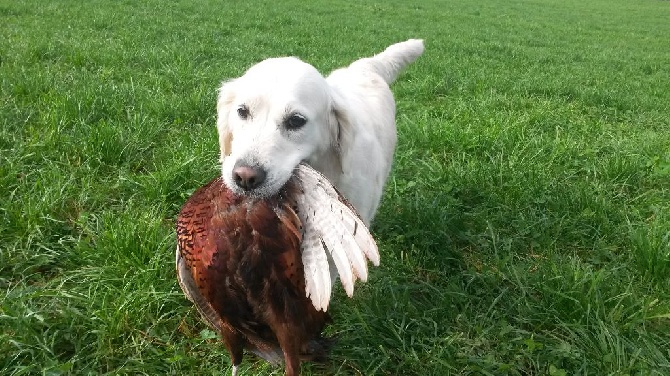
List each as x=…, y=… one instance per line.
x=344, y=239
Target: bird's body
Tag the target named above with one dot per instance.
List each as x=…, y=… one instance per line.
x=240, y=260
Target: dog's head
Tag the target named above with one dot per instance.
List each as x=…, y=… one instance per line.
x=279, y=113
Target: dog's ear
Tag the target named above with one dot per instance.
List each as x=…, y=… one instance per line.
x=223, y=107
x=340, y=126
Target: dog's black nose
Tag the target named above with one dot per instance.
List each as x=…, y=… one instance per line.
x=247, y=177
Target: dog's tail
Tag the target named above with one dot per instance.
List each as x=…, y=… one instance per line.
x=393, y=60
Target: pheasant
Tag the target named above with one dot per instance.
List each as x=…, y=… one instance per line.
x=260, y=270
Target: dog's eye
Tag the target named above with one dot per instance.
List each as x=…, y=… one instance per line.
x=295, y=121
x=243, y=112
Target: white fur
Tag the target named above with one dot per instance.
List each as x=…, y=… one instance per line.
x=350, y=134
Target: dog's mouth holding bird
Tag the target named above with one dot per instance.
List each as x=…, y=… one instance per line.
x=254, y=179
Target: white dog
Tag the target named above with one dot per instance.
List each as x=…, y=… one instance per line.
x=282, y=111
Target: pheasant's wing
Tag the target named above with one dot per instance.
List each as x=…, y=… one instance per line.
x=191, y=291
x=316, y=266
x=192, y=225
x=336, y=241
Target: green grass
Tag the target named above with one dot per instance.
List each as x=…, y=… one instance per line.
x=525, y=229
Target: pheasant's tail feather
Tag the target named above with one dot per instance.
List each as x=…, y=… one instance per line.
x=317, y=350
x=273, y=356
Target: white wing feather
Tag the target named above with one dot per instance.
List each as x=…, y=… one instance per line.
x=350, y=219
x=335, y=243
x=315, y=262
x=339, y=239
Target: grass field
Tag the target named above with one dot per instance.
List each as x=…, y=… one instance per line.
x=525, y=229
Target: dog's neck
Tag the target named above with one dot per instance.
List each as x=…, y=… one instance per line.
x=329, y=163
